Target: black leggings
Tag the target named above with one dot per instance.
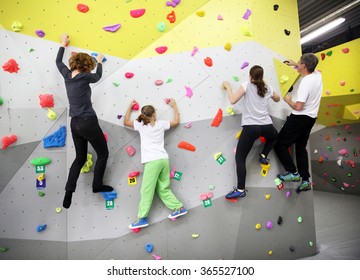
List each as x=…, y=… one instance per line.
x=84, y=130
x=296, y=130
x=249, y=135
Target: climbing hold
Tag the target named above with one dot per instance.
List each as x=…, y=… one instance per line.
x=187, y=146
x=173, y=3
x=328, y=92
x=136, y=230
x=276, y=7
x=230, y=111
x=3, y=249
x=262, y=139
x=88, y=164
x=329, y=148
x=41, y=177
x=109, y=195
x=219, y=17
x=218, y=118
x=11, y=66
x=287, y=32
x=16, y=26
x=134, y=174
x=292, y=248
x=208, y=61
x=159, y=82
x=51, y=115
x=237, y=136
x=267, y=196
x=311, y=243
x=82, y=8
x=137, y=13
x=189, y=92
x=116, y=84
x=156, y=257
x=167, y=100
x=299, y=219
x=287, y=194
x=161, y=50
x=343, y=152
x=258, y=226
x=228, y=47
x=130, y=150
x=195, y=50
x=270, y=253
x=245, y=30
x=321, y=159
x=94, y=56
x=203, y=196
x=269, y=224
x=280, y=220
x=217, y=155
x=149, y=247
x=346, y=185
x=345, y=50
x=8, y=140
x=279, y=183
x=129, y=75
x=329, y=53
x=349, y=174
x=315, y=151
x=171, y=17
x=194, y=235
x=46, y=100
x=57, y=139
x=41, y=228
x=1, y=101
x=40, y=33
x=342, y=83
x=161, y=26
x=284, y=79
x=41, y=194
x=247, y=14
x=172, y=172
x=323, y=56
x=40, y=161
x=211, y=187
x=112, y=28
x=188, y=125
x=200, y=13
x=209, y=195
x=235, y=78
x=136, y=106
x=58, y=210
x=244, y=65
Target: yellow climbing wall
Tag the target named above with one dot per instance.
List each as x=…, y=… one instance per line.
x=204, y=23
x=340, y=68
x=287, y=76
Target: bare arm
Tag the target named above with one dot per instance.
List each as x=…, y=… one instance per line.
x=233, y=97
x=275, y=97
x=297, y=106
x=175, y=122
x=127, y=121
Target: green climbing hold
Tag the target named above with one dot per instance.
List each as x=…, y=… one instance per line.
x=41, y=194
x=311, y=243
x=337, y=133
x=349, y=174
x=3, y=250
x=299, y=219
x=329, y=148
x=31, y=50
x=352, y=90
x=329, y=53
x=40, y=161
x=333, y=179
x=235, y=78
x=1, y=101
x=169, y=80
x=116, y=84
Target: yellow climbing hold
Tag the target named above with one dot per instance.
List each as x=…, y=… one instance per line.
x=270, y=253
x=217, y=155
x=284, y=79
x=51, y=115
x=267, y=196
x=194, y=235
x=41, y=177
x=228, y=47
x=258, y=226
x=58, y=210
x=238, y=134
x=200, y=13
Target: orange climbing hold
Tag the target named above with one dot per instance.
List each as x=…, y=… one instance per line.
x=187, y=146
x=218, y=118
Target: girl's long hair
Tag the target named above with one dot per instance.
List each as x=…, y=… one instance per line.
x=146, y=112
x=257, y=74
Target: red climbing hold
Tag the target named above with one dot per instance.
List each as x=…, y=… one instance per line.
x=187, y=146
x=171, y=17
x=161, y=50
x=137, y=13
x=129, y=75
x=218, y=118
x=46, y=100
x=82, y=8
x=208, y=61
x=11, y=66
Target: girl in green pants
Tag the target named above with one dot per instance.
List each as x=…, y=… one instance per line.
x=156, y=162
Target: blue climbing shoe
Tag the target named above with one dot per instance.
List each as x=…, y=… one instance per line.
x=235, y=194
x=140, y=222
x=289, y=177
x=177, y=213
x=304, y=186
x=263, y=159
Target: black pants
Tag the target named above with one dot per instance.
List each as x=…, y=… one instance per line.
x=84, y=130
x=296, y=130
x=249, y=135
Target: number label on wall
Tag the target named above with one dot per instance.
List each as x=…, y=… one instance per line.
x=109, y=204
x=40, y=169
x=207, y=202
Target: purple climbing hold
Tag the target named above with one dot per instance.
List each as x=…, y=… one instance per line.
x=40, y=33
x=247, y=14
x=244, y=65
x=112, y=28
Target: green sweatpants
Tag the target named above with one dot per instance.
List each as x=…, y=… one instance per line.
x=156, y=178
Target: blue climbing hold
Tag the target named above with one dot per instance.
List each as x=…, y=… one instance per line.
x=109, y=195
x=41, y=228
x=149, y=247
x=57, y=139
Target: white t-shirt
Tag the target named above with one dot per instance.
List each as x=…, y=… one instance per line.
x=309, y=92
x=152, y=140
x=255, y=107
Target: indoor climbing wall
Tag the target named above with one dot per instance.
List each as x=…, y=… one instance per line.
x=335, y=146
x=154, y=50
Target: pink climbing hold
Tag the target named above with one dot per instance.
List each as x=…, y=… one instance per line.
x=136, y=230
x=269, y=224
x=82, y=8
x=134, y=174
x=342, y=83
x=203, y=197
x=189, y=92
x=247, y=14
x=244, y=65
x=167, y=100
x=195, y=50
x=188, y=125
x=161, y=50
x=172, y=172
x=129, y=75
x=137, y=13
x=159, y=82
x=209, y=195
x=220, y=17
x=343, y=152
x=130, y=150
x=135, y=107
x=11, y=66
x=156, y=257
x=345, y=50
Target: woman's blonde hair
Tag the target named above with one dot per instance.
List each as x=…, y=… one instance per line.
x=146, y=113
x=82, y=62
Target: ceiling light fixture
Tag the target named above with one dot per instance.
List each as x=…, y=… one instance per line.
x=316, y=33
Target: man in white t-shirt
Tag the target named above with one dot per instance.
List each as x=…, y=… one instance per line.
x=298, y=125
